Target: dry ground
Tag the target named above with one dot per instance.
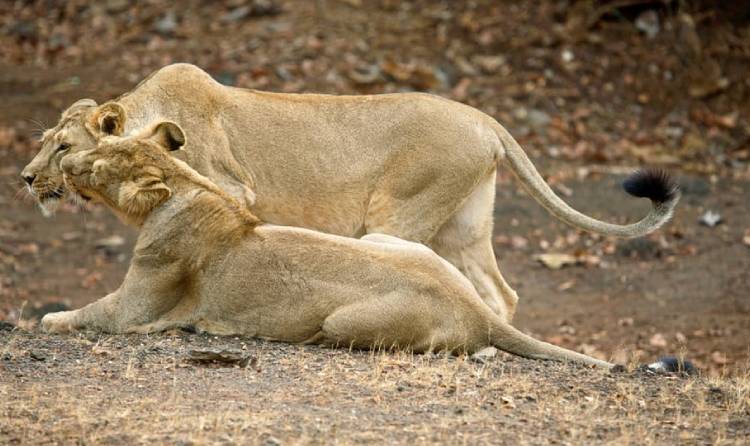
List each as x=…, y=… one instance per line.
x=94, y=389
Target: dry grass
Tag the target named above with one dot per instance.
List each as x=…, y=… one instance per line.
x=141, y=390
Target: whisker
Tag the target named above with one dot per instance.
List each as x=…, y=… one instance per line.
x=39, y=125
x=22, y=194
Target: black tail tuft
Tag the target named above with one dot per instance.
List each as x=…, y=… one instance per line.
x=655, y=184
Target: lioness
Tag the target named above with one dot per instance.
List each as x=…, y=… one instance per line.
x=411, y=165
x=203, y=260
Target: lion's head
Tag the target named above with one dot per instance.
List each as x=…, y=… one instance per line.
x=80, y=127
x=126, y=174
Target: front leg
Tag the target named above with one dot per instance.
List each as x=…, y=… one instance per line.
x=150, y=289
x=93, y=315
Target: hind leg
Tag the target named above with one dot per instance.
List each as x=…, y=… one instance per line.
x=396, y=320
x=465, y=240
x=413, y=204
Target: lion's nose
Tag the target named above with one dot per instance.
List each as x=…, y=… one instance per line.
x=28, y=178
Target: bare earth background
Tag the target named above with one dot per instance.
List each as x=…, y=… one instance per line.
x=591, y=90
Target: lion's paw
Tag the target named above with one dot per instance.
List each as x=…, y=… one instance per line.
x=60, y=322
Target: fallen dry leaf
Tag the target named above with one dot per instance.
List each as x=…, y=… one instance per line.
x=556, y=260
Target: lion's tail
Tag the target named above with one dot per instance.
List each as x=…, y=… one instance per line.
x=655, y=185
x=509, y=339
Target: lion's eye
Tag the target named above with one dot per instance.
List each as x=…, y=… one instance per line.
x=63, y=147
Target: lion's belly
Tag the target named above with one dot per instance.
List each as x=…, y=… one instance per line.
x=340, y=214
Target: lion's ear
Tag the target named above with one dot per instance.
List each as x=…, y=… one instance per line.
x=168, y=135
x=109, y=119
x=79, y=103
x=141, y=196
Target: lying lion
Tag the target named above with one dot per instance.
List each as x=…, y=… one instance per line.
x=411, y=165
x=203, y=260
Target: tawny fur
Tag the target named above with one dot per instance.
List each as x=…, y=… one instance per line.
x=411, y=165
x=203, y=260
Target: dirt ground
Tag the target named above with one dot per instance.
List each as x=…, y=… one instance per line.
x=590, y=94
x=144, y=390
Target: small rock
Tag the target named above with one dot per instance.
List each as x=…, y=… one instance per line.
x=710, y=219
x=484, y=355
x=648, y=23
x=167, y=24
x=567, y=56
x=37, y=355
x=670, y=364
